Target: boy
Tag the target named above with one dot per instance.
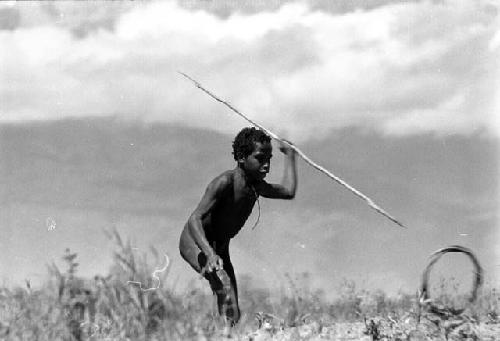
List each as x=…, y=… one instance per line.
x=224, y=208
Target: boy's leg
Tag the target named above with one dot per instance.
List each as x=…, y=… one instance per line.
x=223, y=284
x=190, y=251
x=233, y=305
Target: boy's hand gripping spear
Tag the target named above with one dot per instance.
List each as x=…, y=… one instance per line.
x=304, y=156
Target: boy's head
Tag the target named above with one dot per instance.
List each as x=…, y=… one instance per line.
x=253, y=151
x=244, y=143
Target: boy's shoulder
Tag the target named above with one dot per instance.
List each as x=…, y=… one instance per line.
x=223, y=180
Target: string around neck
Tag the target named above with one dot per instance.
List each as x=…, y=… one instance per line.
x=258, y=205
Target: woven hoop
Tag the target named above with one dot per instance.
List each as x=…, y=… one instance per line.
x=478, y=278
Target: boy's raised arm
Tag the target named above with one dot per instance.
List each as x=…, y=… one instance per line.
x=288, y=186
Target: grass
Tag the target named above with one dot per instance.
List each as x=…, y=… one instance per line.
x=68, y=307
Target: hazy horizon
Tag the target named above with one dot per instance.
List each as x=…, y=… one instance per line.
x=90, y=175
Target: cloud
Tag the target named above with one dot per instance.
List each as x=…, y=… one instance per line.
x=80, y=19
x=397, y=68
x=226, y=8
x=9, y=18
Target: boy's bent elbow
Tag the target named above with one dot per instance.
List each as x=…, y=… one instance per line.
x=193, y=221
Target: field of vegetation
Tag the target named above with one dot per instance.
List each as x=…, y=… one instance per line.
x=68, y=307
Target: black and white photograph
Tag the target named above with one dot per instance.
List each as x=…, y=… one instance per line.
x=250, y=170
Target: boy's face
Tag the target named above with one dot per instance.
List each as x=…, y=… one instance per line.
x=258, y=163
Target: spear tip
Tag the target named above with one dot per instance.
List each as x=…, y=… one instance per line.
x=384, y=213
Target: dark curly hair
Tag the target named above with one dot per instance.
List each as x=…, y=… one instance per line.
x=244, y=143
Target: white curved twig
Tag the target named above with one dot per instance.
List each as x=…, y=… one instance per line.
x=154, y=275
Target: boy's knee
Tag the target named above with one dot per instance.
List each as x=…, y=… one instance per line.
x=224, y=279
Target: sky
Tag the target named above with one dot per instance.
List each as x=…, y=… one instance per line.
x=98, y=130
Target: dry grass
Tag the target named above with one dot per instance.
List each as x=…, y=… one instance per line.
x=68, y=307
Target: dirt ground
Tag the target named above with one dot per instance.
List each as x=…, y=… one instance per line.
x=359, y=331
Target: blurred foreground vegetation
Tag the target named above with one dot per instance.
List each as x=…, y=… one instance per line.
x=68, y=307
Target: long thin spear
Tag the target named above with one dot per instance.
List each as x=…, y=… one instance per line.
x=304, y=156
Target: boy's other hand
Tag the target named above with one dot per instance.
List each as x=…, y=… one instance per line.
x=285, y=148
x=214, y=263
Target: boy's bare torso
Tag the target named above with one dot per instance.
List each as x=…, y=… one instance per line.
x=230, y=213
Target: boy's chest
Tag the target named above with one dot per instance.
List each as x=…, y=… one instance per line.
x=243, y=193
x=237, y=205
x=243, y=197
